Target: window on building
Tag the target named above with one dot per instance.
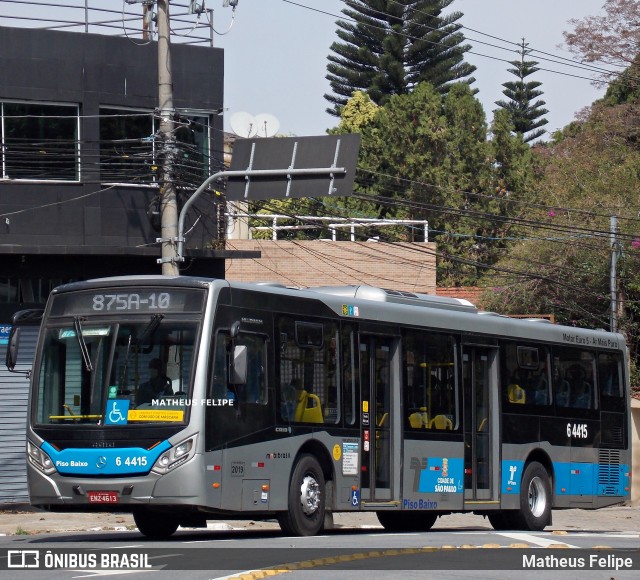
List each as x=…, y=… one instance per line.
x=40, y=141
x=126, y=146
x=131, y=153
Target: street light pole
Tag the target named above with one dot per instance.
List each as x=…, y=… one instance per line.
x=168, y=199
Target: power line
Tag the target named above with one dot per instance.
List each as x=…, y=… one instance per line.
x=487, y=56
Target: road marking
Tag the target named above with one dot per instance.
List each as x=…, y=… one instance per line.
x=531, y=539
x=602, y=535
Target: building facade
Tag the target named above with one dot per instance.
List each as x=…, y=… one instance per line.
x=80, y=175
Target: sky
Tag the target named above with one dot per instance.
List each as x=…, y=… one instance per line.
x=276, y=56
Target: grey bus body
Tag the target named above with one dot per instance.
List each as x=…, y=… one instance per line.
x=270, y=401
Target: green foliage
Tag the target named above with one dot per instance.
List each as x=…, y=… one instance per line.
x=562, y=267
x=526, y=113
x=388, y=47
x=426, y=156
x=359, y=111
x=625, y=89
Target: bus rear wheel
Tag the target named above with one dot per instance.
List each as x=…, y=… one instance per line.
x=155, y=525
x=535, y=499
x=407, y=521
x=305, y=516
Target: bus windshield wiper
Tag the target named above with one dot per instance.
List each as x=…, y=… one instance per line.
x=150, y=329
x=83, y=345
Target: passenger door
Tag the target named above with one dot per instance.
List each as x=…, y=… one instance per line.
x=376, y=372
x=480, y=424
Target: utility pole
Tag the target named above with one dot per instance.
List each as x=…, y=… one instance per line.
x=613, y=275
x=168, y=199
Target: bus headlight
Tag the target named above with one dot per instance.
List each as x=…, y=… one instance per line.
x=40, y=459
x=175, y=456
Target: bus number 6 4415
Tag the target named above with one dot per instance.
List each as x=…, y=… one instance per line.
x=577, y=430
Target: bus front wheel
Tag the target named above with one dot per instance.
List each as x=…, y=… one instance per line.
x=305, y=516
x=535, y=498
x=155, y=525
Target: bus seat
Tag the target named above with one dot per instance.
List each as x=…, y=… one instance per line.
x=562, y=395
x=516, y=394
x=582, y=396
x=415, y=420
x=301, y=405
x=441, y=422
x=312, y=410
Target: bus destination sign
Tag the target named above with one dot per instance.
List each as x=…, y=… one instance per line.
x=148, y=300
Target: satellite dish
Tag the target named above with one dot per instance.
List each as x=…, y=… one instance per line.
x=244, y=125
x=267, y=125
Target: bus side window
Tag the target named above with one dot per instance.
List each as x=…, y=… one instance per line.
x=573, y=378
x=429, y=379
x=219, y=373
x=309, y=356
x=610, y=383
x=255, y=389
x=608, y=375
x=525, y=378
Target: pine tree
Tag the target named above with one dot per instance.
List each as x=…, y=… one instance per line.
x=389, y=46
x=526, y=115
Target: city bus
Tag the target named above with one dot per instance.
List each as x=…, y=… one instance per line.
x=184, y=399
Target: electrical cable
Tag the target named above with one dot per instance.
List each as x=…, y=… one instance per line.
x=475, y=53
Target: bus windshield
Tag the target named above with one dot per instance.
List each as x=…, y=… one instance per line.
x=123, y=373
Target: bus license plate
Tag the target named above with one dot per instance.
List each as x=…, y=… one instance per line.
x=102, y=496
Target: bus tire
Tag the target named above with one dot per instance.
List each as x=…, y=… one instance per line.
x=155, y=525
x=535, y=499
x=305, y=516
x=406, y=521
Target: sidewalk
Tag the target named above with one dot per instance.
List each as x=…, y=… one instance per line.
x=24, y=520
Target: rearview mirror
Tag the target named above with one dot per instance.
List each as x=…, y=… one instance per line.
x=11, y=358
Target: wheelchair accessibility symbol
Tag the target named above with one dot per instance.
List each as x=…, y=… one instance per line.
x=117, y=411
x=355, y=497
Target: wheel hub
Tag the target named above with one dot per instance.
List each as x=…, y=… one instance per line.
x=537, y=497
x=310, y=495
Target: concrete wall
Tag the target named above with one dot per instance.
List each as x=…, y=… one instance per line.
x=401, y=266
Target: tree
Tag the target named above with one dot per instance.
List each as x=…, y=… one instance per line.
x=612, y=39
x=562, y=264
x=626, y=88
x=389, y=46
x=527, y=115
x=358, y=112
x=424, y=156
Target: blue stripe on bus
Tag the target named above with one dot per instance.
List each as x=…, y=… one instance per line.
x=442, y=475
x=573, y=478
x=123, y=461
